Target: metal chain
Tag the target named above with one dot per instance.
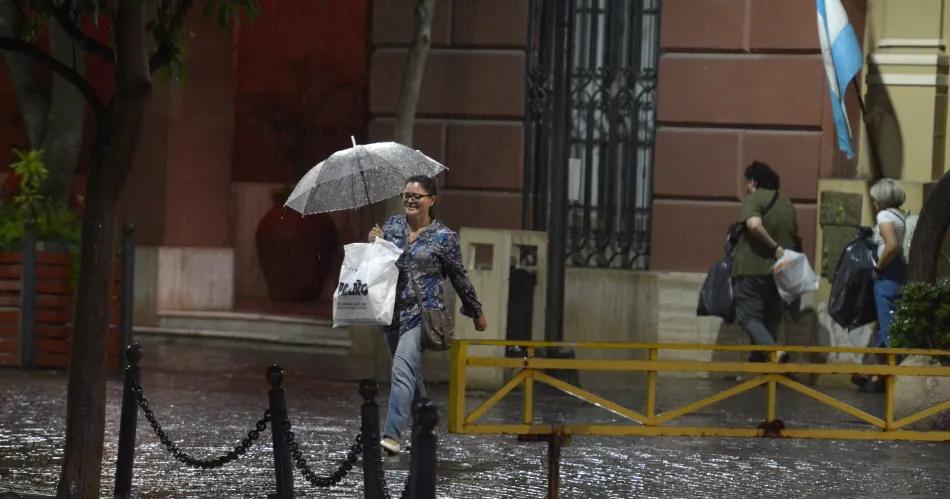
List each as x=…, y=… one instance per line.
x=381, y=480
x=182, y=456
x=345, y=466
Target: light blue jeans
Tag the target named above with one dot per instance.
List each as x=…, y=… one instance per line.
x=887, y=290
x=406, y=384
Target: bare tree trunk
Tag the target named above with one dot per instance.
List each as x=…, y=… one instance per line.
x=32, y=100
x=930, y=232
x=414, y=71
x=412, y=80
x=67, y=112
x=118, y=133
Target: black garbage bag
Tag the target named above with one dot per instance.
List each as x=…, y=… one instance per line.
x=715, y=297
x=851, y=304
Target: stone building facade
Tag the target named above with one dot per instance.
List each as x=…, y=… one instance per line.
x=736, y=80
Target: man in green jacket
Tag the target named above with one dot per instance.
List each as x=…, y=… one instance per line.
x=768, y=220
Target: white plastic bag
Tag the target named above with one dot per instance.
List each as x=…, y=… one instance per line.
x=794, y=276
x=366, y=293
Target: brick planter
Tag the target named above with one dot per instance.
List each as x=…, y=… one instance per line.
x=52, y=325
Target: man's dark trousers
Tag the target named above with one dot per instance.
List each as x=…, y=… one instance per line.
x=758, y=310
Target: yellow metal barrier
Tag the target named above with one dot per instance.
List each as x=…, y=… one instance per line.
x=530, y=369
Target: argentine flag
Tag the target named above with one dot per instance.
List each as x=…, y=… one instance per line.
x=842, y=56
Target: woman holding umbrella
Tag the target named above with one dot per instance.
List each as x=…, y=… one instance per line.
x=430, y=254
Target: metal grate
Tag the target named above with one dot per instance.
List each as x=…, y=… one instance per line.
x=612, y=129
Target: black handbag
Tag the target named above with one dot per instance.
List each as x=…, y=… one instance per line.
x=438, y=326
x=716, y=297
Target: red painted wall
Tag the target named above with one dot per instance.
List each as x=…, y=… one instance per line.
x=300, y=91
x=179, y=189
x=12, y=129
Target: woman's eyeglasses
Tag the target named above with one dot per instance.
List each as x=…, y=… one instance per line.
x=407, y=196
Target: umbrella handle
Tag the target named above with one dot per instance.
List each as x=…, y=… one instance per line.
x=369, y=203
x=363, y=178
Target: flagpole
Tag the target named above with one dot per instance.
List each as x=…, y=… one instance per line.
x=877, y=172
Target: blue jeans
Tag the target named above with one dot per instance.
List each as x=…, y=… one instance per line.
x=887, y=290
x=406, y=384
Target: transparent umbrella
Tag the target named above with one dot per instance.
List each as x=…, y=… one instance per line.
x=359, y=176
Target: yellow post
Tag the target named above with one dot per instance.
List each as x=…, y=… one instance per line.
x=651, y=390
x=528, y=416
x=889, y=395
x=459, y=354
x=770, y=402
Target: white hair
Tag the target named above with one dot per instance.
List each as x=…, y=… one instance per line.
x=887, y=193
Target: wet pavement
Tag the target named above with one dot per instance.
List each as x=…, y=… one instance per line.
x=208, y=394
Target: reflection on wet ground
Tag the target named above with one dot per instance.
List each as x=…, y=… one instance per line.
x=208, y=394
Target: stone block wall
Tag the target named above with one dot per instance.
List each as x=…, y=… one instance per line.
x=739, y=80
x=471, y=107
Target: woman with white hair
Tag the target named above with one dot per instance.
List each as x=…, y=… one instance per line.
x=890, y=269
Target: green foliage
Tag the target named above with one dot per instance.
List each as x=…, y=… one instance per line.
x=228, y=13
x=56, y=224
x=32, y=172
x=161, y=28
x=923, y=317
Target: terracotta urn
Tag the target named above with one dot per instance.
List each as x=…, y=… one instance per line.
x=296, y=253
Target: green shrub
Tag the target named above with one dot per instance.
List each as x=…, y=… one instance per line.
x=922, y=319
x=57, y=226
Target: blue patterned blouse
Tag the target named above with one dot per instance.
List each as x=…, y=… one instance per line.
x=435, y=255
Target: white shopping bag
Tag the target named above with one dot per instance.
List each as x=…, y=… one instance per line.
x=366, y=293
x=794, y=276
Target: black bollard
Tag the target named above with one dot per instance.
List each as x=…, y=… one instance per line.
x=417, y=404
x=283, y=465
x=127, y=423
x=369, y=431
x=422, y=467
x=128, y=285
x=28, y=295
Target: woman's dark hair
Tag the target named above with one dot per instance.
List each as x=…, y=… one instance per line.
x=429, y=185
x=763, y=175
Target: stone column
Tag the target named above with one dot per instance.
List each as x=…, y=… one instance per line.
x=906, y=90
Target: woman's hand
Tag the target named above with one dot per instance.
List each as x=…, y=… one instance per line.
x=374, y=233
x=779, y=251
x=481, y=323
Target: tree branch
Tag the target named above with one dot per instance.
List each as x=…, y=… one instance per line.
x=414, y=72
x=37, y=54
x=167, y=50
x=62, y=16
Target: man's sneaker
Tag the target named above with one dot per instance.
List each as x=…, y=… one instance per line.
x=874, y=385
x=391, y=446
x=783, y=357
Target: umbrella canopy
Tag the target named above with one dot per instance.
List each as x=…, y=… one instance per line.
x=358, y=176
